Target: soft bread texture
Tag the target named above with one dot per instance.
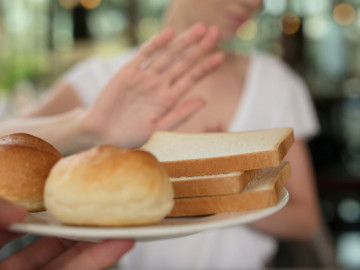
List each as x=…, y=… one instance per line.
x=192, y=154
x=25, y=162
x=210, y=185
x=109, y=186
x=262, y=191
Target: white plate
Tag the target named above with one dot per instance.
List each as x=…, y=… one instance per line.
x=44, y=224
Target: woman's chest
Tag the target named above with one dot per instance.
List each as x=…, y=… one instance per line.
x=222, y=96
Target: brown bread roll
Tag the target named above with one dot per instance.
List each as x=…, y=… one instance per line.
x=25, y=163
x=109, y=186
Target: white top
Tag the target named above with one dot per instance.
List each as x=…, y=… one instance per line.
x=273, y=97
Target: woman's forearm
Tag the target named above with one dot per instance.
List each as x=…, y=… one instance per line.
x=135, y=102
x=64, y=131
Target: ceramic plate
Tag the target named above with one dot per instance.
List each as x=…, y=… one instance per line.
x=44, y=224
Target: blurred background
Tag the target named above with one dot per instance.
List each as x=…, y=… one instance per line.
x=319, y=39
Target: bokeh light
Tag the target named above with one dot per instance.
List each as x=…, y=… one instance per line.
x=290, y=23
x=106, y=23
x=317, y=27
x=275, y=7
x=148, y=27
x=349, y=210
x=344, y=14
x=90, y=4
x=157, y=4
x=309, y=7
x=248, y=30
x=348, y=250
x=68, y=4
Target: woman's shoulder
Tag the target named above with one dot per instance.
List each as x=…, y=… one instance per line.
x=272, y=69
x=270, y=62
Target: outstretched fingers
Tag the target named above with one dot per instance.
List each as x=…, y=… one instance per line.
x=194, y=54
x=177, y=47
x=149, y=49
x=160, y=52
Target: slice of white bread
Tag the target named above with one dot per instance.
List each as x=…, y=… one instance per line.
x=262, y=191
x=210, y=185
x=191, y=154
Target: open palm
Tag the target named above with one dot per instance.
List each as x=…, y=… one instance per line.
x=144, y=95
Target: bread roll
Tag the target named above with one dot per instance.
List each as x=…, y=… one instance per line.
x=25, y=162
x=109, y=186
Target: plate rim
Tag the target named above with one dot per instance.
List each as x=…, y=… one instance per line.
x=152, y=231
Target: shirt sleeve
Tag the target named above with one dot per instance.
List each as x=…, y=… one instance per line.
x=85, y=77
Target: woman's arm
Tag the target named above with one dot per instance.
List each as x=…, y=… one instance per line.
x=141, y=98
x=301, y=217
x=63, y=130
x=60, y=98
x=56, y=118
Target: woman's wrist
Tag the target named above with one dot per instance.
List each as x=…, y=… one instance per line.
x=80, y=137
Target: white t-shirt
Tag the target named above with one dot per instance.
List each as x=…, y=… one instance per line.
x=273, y=97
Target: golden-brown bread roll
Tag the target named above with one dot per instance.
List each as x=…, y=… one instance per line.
x=109, y=186
x=25, y=162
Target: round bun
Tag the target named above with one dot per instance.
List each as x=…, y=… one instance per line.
x=25, y=163
x=109, y=186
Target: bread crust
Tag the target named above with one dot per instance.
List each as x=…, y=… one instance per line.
x=25, y=162
x=211, y=185
x=250, y=198
x=225, y=163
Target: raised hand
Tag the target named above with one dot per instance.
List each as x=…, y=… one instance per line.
x=54, y=253
x=144, y=95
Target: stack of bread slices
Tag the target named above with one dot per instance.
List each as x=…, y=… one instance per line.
x=223, y=172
